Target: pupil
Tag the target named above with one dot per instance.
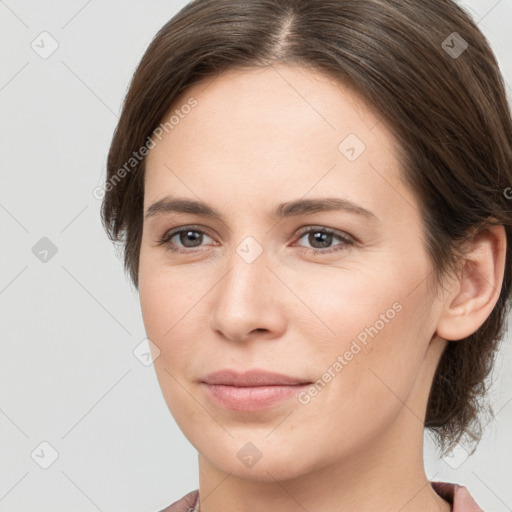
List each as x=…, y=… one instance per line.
x=322, y=237
x=193, y=236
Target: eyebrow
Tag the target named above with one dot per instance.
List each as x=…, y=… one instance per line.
x=283, y=210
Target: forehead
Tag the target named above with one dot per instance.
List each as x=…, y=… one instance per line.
x=293, y=102
x=280, y=131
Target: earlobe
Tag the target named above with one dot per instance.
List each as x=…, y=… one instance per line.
x=475, y=293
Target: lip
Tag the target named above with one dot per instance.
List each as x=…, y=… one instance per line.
x=253, y=390
x=253, y=377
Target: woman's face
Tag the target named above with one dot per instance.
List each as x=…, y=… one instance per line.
x=335, y=296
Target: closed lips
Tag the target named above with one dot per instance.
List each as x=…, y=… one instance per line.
x=252, y=378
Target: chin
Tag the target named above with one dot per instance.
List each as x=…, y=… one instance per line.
x=257, y=461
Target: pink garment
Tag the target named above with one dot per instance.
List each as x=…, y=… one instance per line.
x=456, y=495
x=189, y=503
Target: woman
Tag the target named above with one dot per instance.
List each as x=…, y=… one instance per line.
x=312, y=200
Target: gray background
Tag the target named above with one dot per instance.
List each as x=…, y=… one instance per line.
x=68, y=374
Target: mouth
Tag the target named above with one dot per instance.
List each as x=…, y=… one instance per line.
x=253, y=390
x=254, y=377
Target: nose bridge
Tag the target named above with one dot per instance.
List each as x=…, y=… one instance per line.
x=243, y=299
x=248, y=278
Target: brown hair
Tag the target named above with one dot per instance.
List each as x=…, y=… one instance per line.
x=445, y=102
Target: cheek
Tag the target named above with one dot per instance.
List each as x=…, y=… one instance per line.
x=166, y=311
x=174, y=316
x=167, y=296
x=340, y=305
x=351, y=406
x=375, y=341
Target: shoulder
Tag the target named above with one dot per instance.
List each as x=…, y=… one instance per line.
x=457, y=495
x=185, y=504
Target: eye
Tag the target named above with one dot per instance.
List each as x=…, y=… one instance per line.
x=321, y=238
x=188, y=236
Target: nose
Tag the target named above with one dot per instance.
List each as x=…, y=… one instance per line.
x=248, y=301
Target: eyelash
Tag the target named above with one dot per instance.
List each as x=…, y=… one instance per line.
x=345, y=239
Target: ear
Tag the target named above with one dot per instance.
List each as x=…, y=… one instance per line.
x=475, y=293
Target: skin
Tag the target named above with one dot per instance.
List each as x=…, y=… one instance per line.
x=257, y=138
